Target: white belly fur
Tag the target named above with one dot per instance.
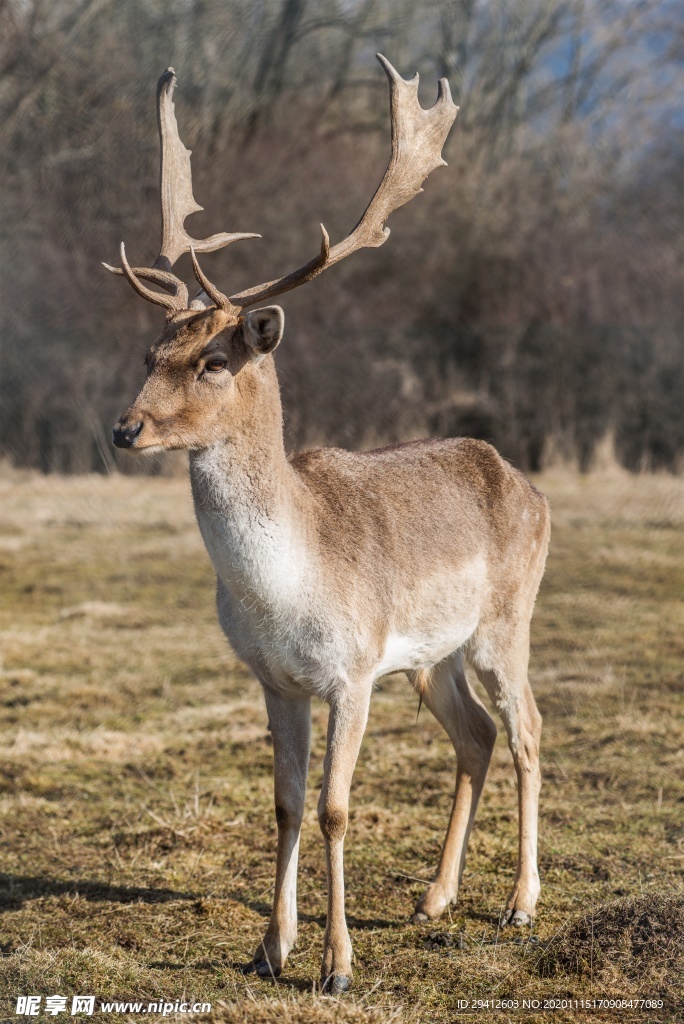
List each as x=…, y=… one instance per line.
x=403, y=653
x=456, y=604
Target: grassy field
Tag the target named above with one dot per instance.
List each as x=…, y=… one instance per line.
x=137, y=833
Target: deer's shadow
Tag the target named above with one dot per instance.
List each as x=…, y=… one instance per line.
x=16, y=890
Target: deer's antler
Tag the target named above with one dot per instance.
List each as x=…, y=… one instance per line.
x=175, y=186
x=177, y=203
x=417, y=139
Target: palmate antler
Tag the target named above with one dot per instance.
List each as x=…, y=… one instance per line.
x=177, y=203
x=417, y=139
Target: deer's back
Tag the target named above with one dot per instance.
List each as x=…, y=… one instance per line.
x=420, y=503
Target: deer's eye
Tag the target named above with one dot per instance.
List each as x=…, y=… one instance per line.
x=215, y=365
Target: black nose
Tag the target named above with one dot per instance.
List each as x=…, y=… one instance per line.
x=123, y=437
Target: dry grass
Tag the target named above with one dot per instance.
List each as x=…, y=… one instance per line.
x=642, y=937
x=136, y=824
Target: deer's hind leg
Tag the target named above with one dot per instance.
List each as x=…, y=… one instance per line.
x=500, y=656
x=472, y=732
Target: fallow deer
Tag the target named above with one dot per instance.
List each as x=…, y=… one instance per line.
x=335, y=568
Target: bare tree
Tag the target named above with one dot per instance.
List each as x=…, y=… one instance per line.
x=557, y=276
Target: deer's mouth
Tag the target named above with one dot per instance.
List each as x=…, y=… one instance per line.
x=140, y=436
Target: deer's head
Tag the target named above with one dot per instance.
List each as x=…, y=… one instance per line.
x=204, y=368
x=201, y=379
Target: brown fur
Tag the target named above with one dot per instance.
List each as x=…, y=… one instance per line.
x=333, y=566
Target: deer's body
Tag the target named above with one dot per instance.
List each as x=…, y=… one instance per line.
x=335, y=568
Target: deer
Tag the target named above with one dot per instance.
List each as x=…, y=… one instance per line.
x=335, y=568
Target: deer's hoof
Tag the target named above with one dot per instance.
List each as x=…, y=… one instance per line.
x=336, y=984
x=515, y=918
x=419, y=917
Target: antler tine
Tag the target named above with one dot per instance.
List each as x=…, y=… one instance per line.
x=163, y=278
x=175, y=186
x=171, y=302
x=220, y=300
x=417, y=139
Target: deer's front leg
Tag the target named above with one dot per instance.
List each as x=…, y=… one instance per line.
x=290, y=722
x=346, y=726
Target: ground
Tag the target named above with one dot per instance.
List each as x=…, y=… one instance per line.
x=137, y=833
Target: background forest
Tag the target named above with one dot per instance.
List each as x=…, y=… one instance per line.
x=533, y=296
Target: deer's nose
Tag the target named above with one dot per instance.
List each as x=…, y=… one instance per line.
x=123, y=437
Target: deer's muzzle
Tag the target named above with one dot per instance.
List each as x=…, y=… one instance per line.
x=123, y=436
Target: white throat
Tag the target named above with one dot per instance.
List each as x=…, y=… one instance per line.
x=248, y=520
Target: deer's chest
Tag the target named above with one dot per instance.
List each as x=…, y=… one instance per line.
x=264, y=602
x=294, y=650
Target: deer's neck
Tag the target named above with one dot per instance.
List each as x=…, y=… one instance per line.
x=249, y=502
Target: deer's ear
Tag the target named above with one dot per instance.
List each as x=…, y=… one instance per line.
x=263, y=329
